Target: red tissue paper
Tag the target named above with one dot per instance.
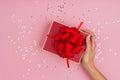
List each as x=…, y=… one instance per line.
x=67, y=42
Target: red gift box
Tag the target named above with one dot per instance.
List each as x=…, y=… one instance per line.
x=62, y=39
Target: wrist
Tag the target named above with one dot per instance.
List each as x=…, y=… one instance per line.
x=89, y=66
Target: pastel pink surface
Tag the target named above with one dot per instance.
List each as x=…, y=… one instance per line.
x=24, y=26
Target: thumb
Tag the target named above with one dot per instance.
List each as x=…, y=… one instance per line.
x=88, y=47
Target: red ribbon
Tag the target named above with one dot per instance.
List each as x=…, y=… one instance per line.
x=69, y=42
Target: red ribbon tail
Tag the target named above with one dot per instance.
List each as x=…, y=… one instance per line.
x=80, y=25
x=68, y=65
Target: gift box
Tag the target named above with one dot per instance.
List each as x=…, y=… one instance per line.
x=65, y=41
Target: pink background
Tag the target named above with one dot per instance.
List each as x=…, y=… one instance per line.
x=23, y=28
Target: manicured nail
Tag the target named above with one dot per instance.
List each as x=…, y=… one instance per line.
x=88, y=37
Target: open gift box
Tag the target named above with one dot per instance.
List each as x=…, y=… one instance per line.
x=65, y=41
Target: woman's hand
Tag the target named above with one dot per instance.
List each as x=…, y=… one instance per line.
x=89, y=53
x=88, y=57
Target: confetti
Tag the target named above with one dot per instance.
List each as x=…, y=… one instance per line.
x=110, y=50
x=102, y=58
x=101, y=27
x=43, y=61
x=89, y=22
x=9, y=36
x=11, y=40
x=28, y=69
x=18, y=38
x=33, y=53
x=14, y=42
x=96, y=8
x=118, y=21
x=39, y=66
x=21, y=49
x=28, y=73
x=93, y=29
x=23, y=76
x=99, y=61
x=29, y=61
x=35, y=42
x=106, y=22
x=23, y=58
x=98, y=24
x=16, y=51
x=115, y=54
x=26, y=50
x=113, y=21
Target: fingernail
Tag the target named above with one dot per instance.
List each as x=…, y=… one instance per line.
x=88, y=37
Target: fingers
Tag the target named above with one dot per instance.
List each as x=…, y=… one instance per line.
x=88, y=32
x=88, y=43
x=92, y=37
x=93, y=43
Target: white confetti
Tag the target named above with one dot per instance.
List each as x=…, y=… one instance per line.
x=13, y=16
x=102, y=58
x=98, y=24
x=23, y=58
x=28, y=69
x=21, y=49
x=23, y=31
x=107, y=37
x=35, y=42
x=26, y=50
x=96, y=8
x=97, y=55
x=18, y=47
x=115, y=54
x=93, y=29
x=29, y=31
x=18, y=38
x=106, y=22
x=31, y=49
x=25, y=47
x=33, y=53
x=99, y=61
x=16, y=51
x=11, y=40
x=113, y=21
x=43, y=61
x=98, y=37
x=14, y=42
x=104, y=39
x=101, y=27
x=27, y=73
x=118, y=21
x=30, y=27
x=99, y=44
x=110, y=50
x=89, y=22
x=23, y=55
x=23, y=76
x=23, y=36
x=29, y=61
x=98, y=49
x=14, y=21
x=9, y=36
x=38, y=65
x=98, y=33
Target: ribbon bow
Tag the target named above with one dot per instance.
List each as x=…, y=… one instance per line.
x=68, y=42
